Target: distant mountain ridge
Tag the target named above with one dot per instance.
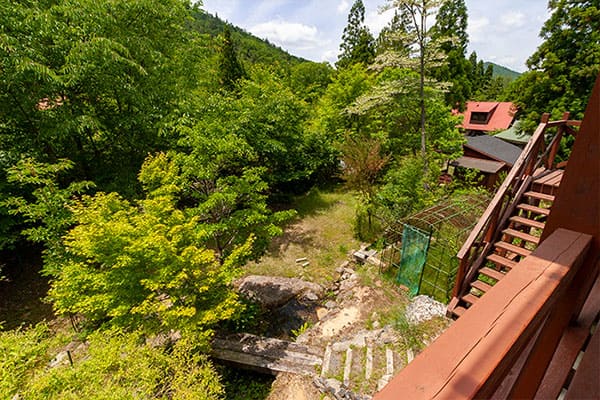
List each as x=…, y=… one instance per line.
x=501, y=71
x=250, y=49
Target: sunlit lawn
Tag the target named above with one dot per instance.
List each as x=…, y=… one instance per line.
x=322, y=233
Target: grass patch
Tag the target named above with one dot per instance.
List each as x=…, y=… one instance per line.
x=322, y=233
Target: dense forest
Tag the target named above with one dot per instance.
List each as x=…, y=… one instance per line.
x=149, y=150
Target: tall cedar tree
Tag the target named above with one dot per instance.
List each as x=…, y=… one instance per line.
x=230, y=69
x=451, y=23
x=358, y=45
x=563, y=68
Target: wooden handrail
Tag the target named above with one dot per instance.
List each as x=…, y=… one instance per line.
x=472, y=358
x=534, y=155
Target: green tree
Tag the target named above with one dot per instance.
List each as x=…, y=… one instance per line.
x=424, y=56
x=309, y=80
x=92, y=80
x=563, y=69
x=451, y=28
x=230, y=69
x=145, y=264
x=46, y=212
x=331, y=116
x=357, y=42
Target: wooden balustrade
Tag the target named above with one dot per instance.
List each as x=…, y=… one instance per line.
x=528, y=309
x=535, y=155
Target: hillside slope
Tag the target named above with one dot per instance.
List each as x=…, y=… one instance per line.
x=250, y=48
x=501, y=71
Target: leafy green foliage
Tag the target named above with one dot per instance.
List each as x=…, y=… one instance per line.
x=47, y=212
x=564, y=67
x=261, y=127
x=115, y=366
x=309, y=80
x=91, y=80
x=144, y=264
x=21, y=352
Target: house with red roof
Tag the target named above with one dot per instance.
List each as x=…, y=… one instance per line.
x=482, y=117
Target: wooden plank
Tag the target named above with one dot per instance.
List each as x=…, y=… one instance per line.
x=528, y=222
x=586, y=382
x=258, y=363
x=539, y=196
x=495, y=258
x=497, y=275
x=569, y=346
x=522, y=235
x=553, y=176
x=470, y=298
x=479, y=285
x=459, y=311
x=534, y=209
x=513, y=249
x=475, y=353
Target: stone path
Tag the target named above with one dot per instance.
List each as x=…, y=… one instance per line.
x=367, y=361
x=364, y=362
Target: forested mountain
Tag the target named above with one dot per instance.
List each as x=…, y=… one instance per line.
x=250, y=49
x=503, y=72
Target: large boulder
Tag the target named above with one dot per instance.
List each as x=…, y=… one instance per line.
x=272, y=291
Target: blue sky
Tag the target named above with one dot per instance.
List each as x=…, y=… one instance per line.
x=503, y=31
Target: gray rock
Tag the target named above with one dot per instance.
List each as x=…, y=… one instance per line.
x=310, y=296
x=330, y=304
x=273, y=291
x=423, y=308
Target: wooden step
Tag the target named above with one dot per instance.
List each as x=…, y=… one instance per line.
x=522, y=235
x=492, y=273
x=513, y=249
x=528, y=222
x=480, y=285
x=458, y=311
x=470, y=298
x=495, y=258
x=534, y=209
x=539, y=196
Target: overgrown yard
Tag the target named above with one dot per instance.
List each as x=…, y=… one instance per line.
x=322, y=233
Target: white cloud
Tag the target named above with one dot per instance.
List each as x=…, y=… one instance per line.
x=343, y=6
x=329, y=56
x=477, y=29
x=376, y=21
x=287, y=34
x=513, y=19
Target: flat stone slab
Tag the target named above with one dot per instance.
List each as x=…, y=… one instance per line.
x=267, y=354
x=274, y=291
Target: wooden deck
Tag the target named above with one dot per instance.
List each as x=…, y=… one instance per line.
x=474, y=356
x=548, y=182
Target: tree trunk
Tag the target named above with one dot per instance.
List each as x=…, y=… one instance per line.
x=422, y=92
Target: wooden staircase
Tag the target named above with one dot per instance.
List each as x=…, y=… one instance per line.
x=518, y=239
x=511, y=227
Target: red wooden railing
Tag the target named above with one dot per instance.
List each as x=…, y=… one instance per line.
x=502, y=347
x=539, y=152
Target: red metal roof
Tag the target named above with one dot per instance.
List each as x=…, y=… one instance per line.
x=501, y=115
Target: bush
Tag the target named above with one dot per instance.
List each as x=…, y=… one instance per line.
x=117, y=366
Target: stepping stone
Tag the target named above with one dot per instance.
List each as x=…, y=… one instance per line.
x=348, y=367
x=369, y=363
x=326, y=361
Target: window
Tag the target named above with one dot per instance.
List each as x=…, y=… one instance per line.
x=479, y=118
